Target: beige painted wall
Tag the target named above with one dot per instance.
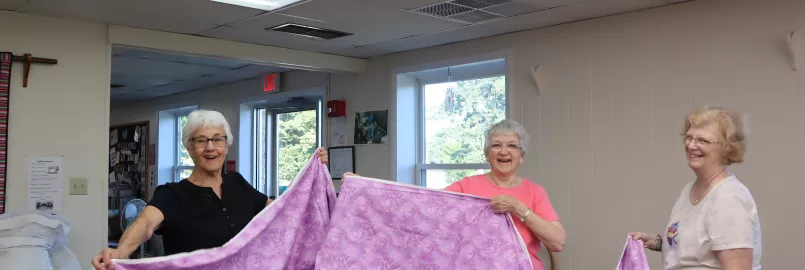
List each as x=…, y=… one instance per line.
x=63, y=111
x=606, y=130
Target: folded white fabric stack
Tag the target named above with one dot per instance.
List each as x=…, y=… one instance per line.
x=35, y=240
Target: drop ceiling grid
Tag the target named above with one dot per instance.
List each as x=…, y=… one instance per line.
x=182, y=16
x=11, y=4
x=370, y=24
x=379, y=26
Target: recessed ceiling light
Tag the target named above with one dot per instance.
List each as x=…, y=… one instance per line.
x=261, y=4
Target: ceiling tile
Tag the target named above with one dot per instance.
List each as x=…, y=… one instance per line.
x=407, y=4
x=260, y=36
x=146, y=74
x=154, y=72
x=258, y=70
x=182, y=16
x=176, y=57
x=543, y=4
x=348, y=16
x=11, y=4
x=466, y=33
x=386, y=23
x=572, y=12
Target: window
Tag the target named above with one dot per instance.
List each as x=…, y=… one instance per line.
x=184, y=164
x=453, y=118
x=173, y=161
x=285, y=138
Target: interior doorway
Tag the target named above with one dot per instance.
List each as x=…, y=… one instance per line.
x=152, y=93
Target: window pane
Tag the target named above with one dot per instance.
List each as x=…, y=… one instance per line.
x=260, y=150
x=184, y=174
x=456, y=116
x=184, y=157
x=439, y=179
x=296, y=142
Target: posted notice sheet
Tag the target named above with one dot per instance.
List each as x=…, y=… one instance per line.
x=44, y=186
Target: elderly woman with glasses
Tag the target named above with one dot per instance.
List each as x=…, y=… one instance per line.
x=535, y=218
x=203, y=211
x=714, y=223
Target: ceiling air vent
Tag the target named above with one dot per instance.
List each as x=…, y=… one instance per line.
x=475, y=11
x=308, y=31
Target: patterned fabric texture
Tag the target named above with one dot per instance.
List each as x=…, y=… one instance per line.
x=385, y=225
x=285, y=235
x=634, y=256
x=5, y=94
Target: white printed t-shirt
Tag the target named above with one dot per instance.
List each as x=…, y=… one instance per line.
x=726, y=218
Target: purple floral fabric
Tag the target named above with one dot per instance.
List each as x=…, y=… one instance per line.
x=285, y=235
x=384, y=225
x=634, y=257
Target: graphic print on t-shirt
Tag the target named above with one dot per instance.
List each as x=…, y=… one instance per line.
x=672, y=233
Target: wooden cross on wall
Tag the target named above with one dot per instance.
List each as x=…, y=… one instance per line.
x=27, y=59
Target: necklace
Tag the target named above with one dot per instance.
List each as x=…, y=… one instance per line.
x=710, y=179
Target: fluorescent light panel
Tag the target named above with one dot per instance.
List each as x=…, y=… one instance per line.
x=268, y=5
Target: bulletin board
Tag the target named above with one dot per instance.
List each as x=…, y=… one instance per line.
x=128, y=163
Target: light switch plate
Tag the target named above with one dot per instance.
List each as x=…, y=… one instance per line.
x=78, y=186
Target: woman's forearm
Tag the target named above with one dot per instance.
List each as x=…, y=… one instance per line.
x=141, y=230
x=655, y=244
x=134, y=236
x=550, y=234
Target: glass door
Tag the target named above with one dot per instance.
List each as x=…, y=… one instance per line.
x=297, y=136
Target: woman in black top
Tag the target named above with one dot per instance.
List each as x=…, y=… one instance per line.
x=203, y=211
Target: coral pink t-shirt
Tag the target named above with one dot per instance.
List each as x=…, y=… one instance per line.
x=529, y=193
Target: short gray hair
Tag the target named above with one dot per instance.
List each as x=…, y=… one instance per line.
x=507, y=127
x=204, y=119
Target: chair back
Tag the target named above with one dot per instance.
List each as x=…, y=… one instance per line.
x=548, y=258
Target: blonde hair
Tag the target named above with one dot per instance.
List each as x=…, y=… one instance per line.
x=731, y=125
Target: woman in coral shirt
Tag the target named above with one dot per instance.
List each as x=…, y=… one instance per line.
x=535, y=219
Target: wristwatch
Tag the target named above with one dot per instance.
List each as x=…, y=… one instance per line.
x=524, y=216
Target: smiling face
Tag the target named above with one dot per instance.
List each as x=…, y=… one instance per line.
x=703, y=146
x=504, y=154
x=208, y=148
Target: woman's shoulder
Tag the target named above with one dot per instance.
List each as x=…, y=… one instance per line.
x=531, y=185
x=732, y=187
x=172, y=186
x=473, y=180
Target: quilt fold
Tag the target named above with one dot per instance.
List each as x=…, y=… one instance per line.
x=286, y=235
x=633, y=256
x=386, y=225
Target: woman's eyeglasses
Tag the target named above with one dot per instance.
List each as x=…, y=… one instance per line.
x=698, y=141
x=510, y=147
x=202, y=141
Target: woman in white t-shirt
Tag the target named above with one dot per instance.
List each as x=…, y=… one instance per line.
x=714, y=223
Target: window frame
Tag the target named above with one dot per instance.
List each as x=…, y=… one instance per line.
x=271, y=141
x=179, y=145
x=421, y=167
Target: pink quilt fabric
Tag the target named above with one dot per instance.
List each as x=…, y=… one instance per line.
x=285, y=235
x=634, y=256
x=385, y=225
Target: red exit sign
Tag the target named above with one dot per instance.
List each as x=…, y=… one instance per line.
x=271, y=83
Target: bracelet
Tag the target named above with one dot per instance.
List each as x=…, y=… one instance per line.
x=527, y=212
